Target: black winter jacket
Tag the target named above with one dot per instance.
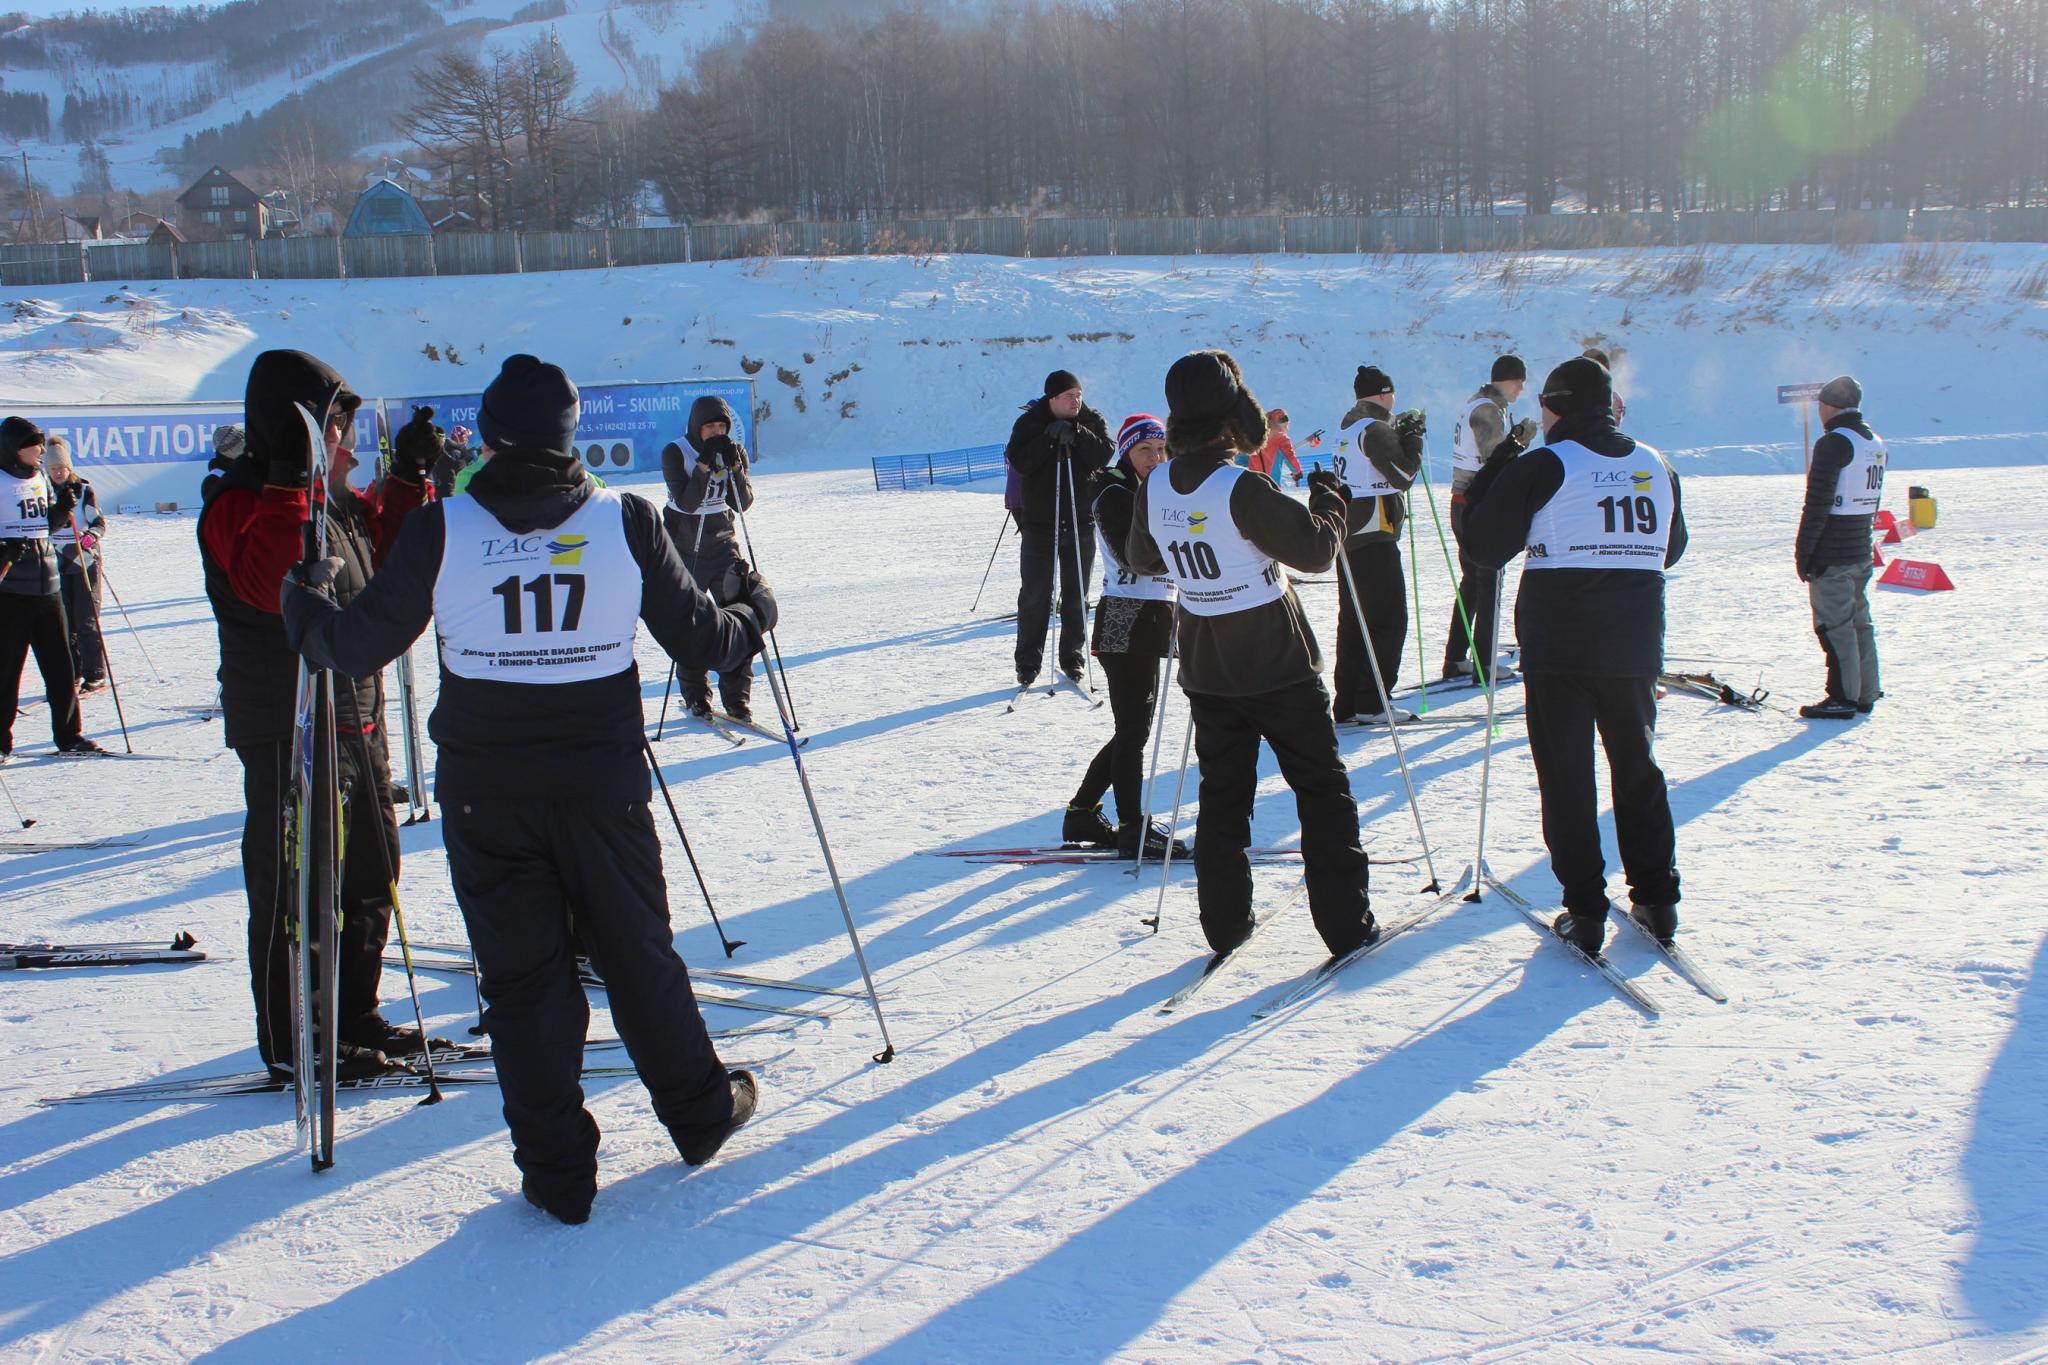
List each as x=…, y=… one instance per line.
x=1600, y=622
x=578, y=740
x=1825, y=538
x=1125, y=625
x=1378, y=519
x=1034, y=454
x=705, y=542
x=1262, y=648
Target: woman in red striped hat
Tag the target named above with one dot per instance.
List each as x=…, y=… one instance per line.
x=1133, y=632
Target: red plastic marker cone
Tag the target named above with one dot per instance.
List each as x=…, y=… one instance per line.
x=1915, y=573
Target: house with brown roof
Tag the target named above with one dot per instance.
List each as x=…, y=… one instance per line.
x=219, y=207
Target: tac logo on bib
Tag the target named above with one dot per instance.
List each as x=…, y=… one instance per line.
x=567, y=551
x=1198, y=522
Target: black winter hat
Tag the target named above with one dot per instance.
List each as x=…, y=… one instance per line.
x=1208, y=401
x=1579, y=385
x=17, y=432
x=1509, y=367
x=277, y=381
x=1059, y=381
x=530, y=408
x=1840, y=392
x=1371, y=382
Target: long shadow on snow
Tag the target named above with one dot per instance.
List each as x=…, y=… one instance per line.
x=1170, y=1236
x=2006, y=1168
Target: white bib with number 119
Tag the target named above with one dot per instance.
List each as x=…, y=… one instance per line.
x=1609, y=513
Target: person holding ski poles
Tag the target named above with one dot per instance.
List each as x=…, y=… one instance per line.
x=1484, y=432
x=249, y=533
x=31, y=601
x=704, y=495
x=1599, y=516
x=1057, y=445
x=1248, y=660
x=78, y=539
x=1133, y=632
x=535, y=581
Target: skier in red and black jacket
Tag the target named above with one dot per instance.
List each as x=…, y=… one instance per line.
x=249, y=534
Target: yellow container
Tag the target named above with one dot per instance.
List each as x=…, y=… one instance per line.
x=1921, y=507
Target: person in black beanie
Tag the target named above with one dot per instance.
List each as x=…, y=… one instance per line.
x=1599, y=517
x=1483, y=433
x=249, y=533
x=31, y=605
x=707, y=491
x=1248, y=660
x=1376, y=465
x=1057, y=445
x=534, y=580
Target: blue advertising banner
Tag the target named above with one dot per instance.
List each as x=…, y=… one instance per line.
x=159, y=433
x=624, y=426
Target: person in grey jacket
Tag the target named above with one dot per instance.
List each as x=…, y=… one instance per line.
x=1248, y=660
x=1844, y=487
x=78, y=538
x=1483, y=433
x=707, y=490
x=1377, y=464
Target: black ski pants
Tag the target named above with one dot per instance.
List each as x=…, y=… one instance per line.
x=1035, y=560
x=1564, y=711
x=1479, y=591
x=82, y=613
x=37, y=623
x=1133, y=682
x=735, y=686
x=1383, y=593
x=369, y=869
x=519, y=866
x=1295, y=722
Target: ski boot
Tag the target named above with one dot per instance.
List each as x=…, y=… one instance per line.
x=1582, y=931
x=375, y=1033
x=1075, y=667
x=699, y=1145
x=1660, y=920
x=1829, y=708
x=1085, y=826
x=1157, y=837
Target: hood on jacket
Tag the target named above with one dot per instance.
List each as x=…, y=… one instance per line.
x=277, y=381
x=710, y=408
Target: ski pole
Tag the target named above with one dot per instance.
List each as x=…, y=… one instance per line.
x=1080, y=581
x=732, y=945
x=1173, y=825
x=1415, y=585
x=1001, y=531
x=1379, y=683
x=1486, y=764
x=666, y=688
x=888, y=1052
x=129, y=619
x=412, y=981
x=113, y=683
x=1457, y=581
x=26, y=822
x=1152, y=772
x=774, y=646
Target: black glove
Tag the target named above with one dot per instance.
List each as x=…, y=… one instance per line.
x=1327, y=495
x=317, y=576
x=1061, y=433
x=1510, y=446
x=66, y=500
x=1414, y=419
x=721, y=452
x=416, y=446
x=741, y=589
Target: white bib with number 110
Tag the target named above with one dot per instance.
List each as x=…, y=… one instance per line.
x=553, y=606
x=1217, y=570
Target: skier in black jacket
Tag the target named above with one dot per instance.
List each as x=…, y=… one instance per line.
x=1133, y=632
x=31, y=607
x=1056, y=446
x=1844, y=489
x=534, y=581
x=1248, y=660
x=1600, y=518
x=707, y=490
x=1381, y=462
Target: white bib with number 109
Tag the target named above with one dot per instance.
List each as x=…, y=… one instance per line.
x=1217, y=570
x=553, y=606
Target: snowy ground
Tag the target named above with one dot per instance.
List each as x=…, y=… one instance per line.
x=1472, y=1149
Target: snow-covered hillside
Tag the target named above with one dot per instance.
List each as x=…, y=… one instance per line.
x=631, y=47
x=1471, y=1150
x=859, y=357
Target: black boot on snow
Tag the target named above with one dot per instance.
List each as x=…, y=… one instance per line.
x=1582, y=931
x=1084, y=825
x=1156, y=839
x=352, y=1063
x=1660, y=920
x=1369, y=936
x=1829, y=708
x=1074, y=667
x=699, y=1145
x=566, y=1205
x=375, y=1033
